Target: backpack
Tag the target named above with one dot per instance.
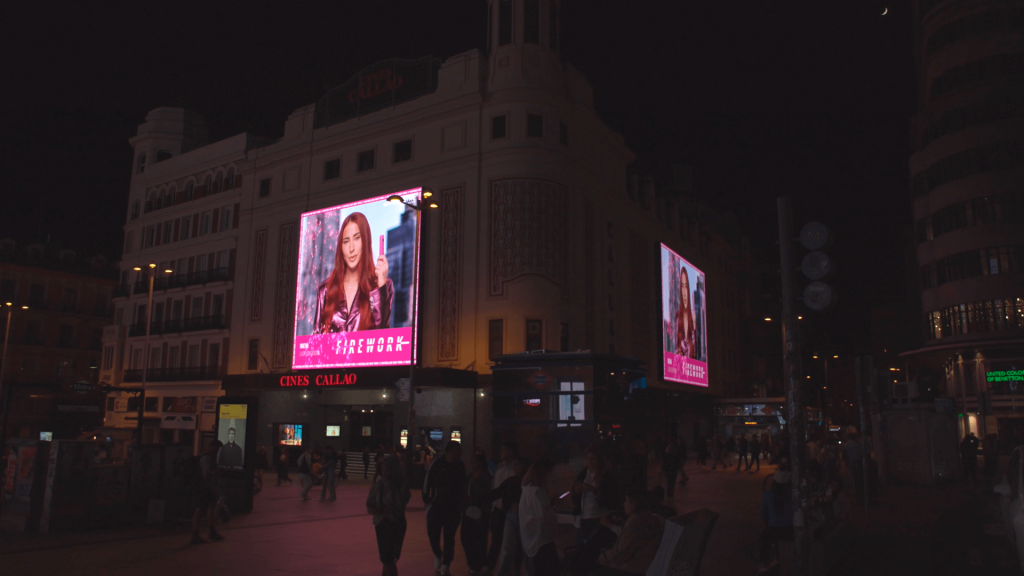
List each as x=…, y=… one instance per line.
x=192, y=473
x=303, y=464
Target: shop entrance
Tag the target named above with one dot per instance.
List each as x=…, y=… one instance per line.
x=370, y=428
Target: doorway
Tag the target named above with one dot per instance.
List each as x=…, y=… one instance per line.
x=370, y=428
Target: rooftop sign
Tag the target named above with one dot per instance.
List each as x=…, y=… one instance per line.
x=382, y=85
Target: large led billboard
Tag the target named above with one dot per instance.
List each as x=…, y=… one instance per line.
x=684, y=322
x=356, y=285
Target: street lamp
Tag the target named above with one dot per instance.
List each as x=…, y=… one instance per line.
x=145, y=354
x=418, y=206
x=4, y=396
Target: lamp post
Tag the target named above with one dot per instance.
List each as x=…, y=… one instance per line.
x=418, y=207
x=4, y=395
x=145, y=353
x=824, y=403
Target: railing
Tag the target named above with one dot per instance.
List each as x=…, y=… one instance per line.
x=122, y=290
x=174, y=374
x=183, y=280
x=174, y=326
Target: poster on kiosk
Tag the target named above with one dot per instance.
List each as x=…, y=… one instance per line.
x=684, y=322
x=356, y=284
x=236, y=429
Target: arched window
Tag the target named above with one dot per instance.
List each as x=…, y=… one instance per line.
x=140, y=164
x=208, y=186
x=229, y=180
x=135, y=210
x=504, y=22
x=154, y=201
x=218, y=183
x=162, y=155
x=190, y=191
x=169, y=196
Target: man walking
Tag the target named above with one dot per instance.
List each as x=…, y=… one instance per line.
x=206, y=479
x=330, y=467
x=755, y=453
x=305, y=464
x=443, y=493
x=508, y=453
x=743, y=447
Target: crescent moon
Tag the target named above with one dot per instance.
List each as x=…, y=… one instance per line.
x=885, y=11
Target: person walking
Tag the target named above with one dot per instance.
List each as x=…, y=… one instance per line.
x=377, y=460
x=305, y=464
x=330, y=471
x=477, y=516
x=443, y=494
x=282, y=468
x=387, y=500
x=509, y=491
x=260, y=464
x=969, y=455
x=670, y=468
x=208, y=494
x=755, y=452
x=366, y=462
x=742, y=447
x=595, y=494
x=509, y=453
x=537, y=522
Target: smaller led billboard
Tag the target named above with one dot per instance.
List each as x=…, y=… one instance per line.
x=684, y=323
x=356, y=284
x=231, y=432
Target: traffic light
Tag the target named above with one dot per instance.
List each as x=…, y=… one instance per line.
x=817, y=266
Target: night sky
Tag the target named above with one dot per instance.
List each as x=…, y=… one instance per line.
x=762, y=98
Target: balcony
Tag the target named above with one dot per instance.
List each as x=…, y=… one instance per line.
x=175, y=326
x=122, y=291
x=174, y=374
x=184, y=280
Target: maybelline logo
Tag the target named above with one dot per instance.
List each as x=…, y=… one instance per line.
x=370, y=345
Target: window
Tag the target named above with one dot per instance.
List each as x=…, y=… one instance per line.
x=154, y=359
x=70, y=303
x=264, y=187
x=499, y=127
x=7, y=286
x=1001, y=156
x=217, y=305
x=36, y=296
x=229, y=180
x=170, y=196
x=223, y=260
x=534, y=125
x=193, y=356
x=67, y=334
x=174, y=357
x=201, y=262
x=531, y=21
x=135, y=210
x=152, y=404
x=204, y=222
x=168, y=229
x=176, y=310
x=254, y=353
x=403, y=151
x=986, y=70
x=563, y=134
x=186, y=228
x=218, y=183
x=162, y=155
x=213, y=355
x=332, y=170
x=226, y=218
x=534, y=335
x=149, y=238
x=563, y=337
x=197, y=307
x=495, y=338
x=108, y=357
x=504, y=22
x=140, y=164
x=611, y=327
x=367, y=160
x=190, y=191
x=553, y=24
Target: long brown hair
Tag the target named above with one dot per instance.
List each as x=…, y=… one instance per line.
x=684, y=333
x=366, y=271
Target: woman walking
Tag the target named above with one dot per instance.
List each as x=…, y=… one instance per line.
x=387, y=501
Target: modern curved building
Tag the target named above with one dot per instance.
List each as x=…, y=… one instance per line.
x=544, y=239
x=967, y=189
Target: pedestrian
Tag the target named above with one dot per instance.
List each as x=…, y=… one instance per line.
x=639, y=538
x=366, y=462
x=260, y=464
x=207, y=490
x=443, y=494
x=743, y=447
x=716, y=453
x=343, y=463
x=509, y=492
x=777, y=514
x=969, y=455
x=508, y=453
x=477, y=516
x=377, y=460
x=330, y=471
x=595, y=494
x=282, y=468
x=670, y=468
x=387, y=500
x=755, y=452
x=537, y=522
x=305, y=464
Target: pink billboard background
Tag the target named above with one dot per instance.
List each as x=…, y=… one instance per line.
x=684, y=322
x=393, y=234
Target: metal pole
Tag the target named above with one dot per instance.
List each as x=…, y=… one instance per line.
x=145, y=360
x=825, y=407
x=414, y=293
x=791, y=369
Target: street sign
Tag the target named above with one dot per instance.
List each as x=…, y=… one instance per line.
x=818, y=296
x=83, y=387
x=814, y=236
x=816, y=265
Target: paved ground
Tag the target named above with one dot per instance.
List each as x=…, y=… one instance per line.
x=912, y=531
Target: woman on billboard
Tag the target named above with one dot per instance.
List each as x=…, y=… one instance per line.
x=358, y=294
x=685, y=342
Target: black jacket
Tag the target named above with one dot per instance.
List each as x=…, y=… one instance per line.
x=445, y=485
